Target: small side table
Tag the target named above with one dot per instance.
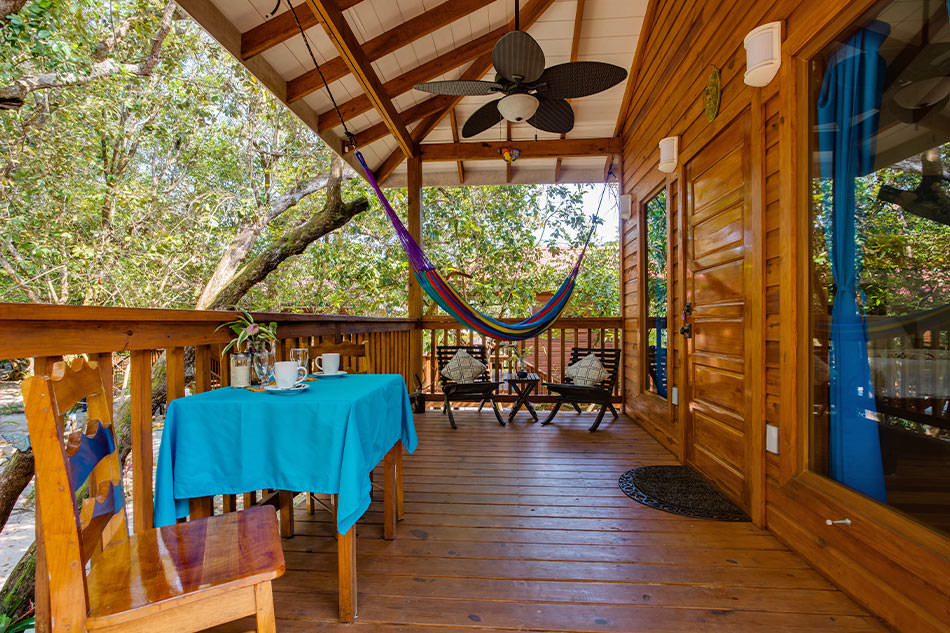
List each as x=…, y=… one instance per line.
x=523, y=388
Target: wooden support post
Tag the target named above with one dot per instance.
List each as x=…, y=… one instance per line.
x=140, y=384
x=346, y=573
x=41, y=367
x=174, y=373
x=414, y=168
x=202, y=368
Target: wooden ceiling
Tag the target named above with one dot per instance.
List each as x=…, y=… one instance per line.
x=372, y=53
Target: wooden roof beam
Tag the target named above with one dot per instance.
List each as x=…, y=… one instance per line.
x=552, y=148
x=348, y=46
x=283, y=27
x=405, y=82
x=386, y=43
x=529, y=13
x=575, y=47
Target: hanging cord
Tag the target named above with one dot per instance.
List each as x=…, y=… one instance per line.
x=350, y=140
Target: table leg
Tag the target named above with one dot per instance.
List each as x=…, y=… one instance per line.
x=346, y=573
x=400, y=502
x=286, y=513
x=200, y=508
x=389, y=494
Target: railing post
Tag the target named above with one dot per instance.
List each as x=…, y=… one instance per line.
x=414, y=169
x=141, y=395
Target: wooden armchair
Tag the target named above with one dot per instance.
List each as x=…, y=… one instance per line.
x=481, y=390
x=569, y=393
x=184, y=577
x=354, y=357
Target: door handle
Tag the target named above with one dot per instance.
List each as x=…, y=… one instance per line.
x=687, y=330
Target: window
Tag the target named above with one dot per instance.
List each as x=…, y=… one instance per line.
x=655, y=212
x=880, y=260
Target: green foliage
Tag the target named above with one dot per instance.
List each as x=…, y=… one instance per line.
x=657, y=239
x=127, y=190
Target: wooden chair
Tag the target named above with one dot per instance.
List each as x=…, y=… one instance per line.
x=354, y=357
x=185, y=577
x=656, y=366
x=482, y=389
x=569, y=393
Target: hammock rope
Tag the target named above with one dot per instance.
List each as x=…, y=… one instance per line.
x=426, y=273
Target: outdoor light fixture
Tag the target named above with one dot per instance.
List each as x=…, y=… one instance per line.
x=518, y=107
x=626, y=206
x=763, y=54
x=669, y=153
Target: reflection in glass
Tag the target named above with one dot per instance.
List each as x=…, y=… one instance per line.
x=657, y=238
x=880, y=251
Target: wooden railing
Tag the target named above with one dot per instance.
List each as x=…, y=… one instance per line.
x=546, y=355
x=133, y=341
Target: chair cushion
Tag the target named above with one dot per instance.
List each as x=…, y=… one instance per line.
x=587, y=372
x=463, y=367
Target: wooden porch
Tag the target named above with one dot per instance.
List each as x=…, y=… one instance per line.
x=525, y=528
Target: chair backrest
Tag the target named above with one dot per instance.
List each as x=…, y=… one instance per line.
x=354, y=356
x=609, y=358
x=656, y=365
x=445, y=353
x=86, y=461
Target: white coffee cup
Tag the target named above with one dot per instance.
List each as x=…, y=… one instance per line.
x=288, y=373
x=328, y=363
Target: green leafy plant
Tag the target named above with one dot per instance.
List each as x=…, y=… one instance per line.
x=21, y=624
x=250, y=334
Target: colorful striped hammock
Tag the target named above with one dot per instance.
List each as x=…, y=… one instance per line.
x=449, y=300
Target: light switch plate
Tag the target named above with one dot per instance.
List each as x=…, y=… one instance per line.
x=771, y=438
x=675, y=396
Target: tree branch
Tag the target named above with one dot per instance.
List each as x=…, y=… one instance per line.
x=8, y=7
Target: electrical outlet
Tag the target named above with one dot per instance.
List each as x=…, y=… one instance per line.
x=771, y=438
x=675, y=396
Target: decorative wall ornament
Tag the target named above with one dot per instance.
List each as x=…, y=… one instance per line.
x=713, y=93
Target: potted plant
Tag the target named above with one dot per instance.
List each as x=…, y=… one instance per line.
x=519, y=358
x=253, y=342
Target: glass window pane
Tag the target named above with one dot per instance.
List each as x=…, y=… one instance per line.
x=880, y=260
x=657, y=335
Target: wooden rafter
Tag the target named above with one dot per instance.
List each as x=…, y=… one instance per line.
x=529, y=14
x=575, y=47
x=348, y=46
x=281, y=28
x=433, y=68
x=385, y=43
x=489, y=150
x=455, y=138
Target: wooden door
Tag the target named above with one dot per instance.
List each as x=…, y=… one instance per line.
x=716, y=252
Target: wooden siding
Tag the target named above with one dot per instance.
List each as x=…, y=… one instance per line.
x=525, y=528
x=891, y=564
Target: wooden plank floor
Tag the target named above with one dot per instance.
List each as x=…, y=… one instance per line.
x=524, y=528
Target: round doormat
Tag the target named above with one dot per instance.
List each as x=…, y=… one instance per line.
x=679, y=490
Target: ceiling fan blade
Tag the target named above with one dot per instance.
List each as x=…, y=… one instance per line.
x=482, y=119
x=553, y=115
x=518, y=58
x=578, y=79
x=461, y=88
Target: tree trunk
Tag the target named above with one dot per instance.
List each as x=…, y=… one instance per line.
x=17, y=592
x=8, y=7
x=14, y=480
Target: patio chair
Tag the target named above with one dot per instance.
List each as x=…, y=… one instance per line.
x=575, y=395
x=656, y=365
x=354, y=356
x=482, y=389
x=184, y=577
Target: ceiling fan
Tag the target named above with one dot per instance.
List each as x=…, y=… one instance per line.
x=530, y=92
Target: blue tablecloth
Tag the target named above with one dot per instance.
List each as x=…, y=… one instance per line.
x=326, y=440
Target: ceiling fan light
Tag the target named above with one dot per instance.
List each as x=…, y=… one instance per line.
x=518, y=107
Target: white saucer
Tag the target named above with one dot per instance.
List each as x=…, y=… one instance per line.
x=338, y=374
x=277, y=391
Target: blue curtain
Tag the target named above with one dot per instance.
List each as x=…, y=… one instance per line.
x=848, y=112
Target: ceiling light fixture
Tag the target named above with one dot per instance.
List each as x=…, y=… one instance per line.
x=518, y=107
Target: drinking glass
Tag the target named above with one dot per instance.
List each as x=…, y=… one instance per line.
x=264, y=363
x=301, y=355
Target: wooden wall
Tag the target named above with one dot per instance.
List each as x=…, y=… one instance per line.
x=893, y=566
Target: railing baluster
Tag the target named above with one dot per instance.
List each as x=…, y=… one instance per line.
x=140, y=391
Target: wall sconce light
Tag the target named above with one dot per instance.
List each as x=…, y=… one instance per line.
x=626, y=206
x=763, y=54
x=669, y=153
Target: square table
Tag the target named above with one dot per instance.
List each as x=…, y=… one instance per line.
x=327, y=439
x=522, y=386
